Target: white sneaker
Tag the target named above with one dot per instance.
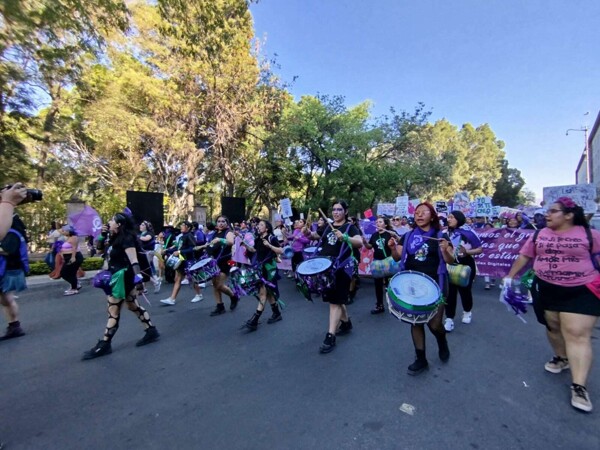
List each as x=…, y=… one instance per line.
x=168, y=301
x=197, y=298
x=185, y=281
x=202, y=285
x=449, y=325
x=466, y=317
x=157, y=285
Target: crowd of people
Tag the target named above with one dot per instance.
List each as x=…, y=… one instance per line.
x=241, y=259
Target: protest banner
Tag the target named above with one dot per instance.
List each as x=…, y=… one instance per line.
x=412, y=205
x=441, y=207
x=501, y=248
x=462, y=203
x=582, y=194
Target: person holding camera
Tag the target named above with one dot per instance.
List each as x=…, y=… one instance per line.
x=123, y=247
x=10, y=196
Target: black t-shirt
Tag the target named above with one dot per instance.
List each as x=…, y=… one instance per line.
x=330, y=244
x=263, y=253
x=147, y=245
x=427, y=259
x=118, y=259
x=215, y=250
x=186, y=245
x=381, y=249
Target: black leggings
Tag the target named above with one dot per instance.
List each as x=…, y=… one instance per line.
x=68, y=272
x=380, y=285
x=296, y=260
x=466, y=294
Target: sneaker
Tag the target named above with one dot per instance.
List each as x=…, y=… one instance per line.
x=234, y=303
x=185, y=281
x=276, y=317
x=197, y=298
x=71, y=292
x=151, y=335
x=580, y=398
x=449, y=325
x=557, y=364
x=487, y=286
x=157, y=286
x=379, y=309
x=345, y=328
x=467, y=316
x=12, y=331
x=418, y=366
x=78, y=286
x=328, y=344
x=201, y=285
x=219, y=309
x=168, y=301
x=100, y=349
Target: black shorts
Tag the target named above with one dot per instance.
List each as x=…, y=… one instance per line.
x=571, y=299
x=340, y=292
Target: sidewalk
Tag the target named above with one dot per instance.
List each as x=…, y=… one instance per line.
x=44, y=280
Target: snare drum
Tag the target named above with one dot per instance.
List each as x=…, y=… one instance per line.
x=413, y=297
x=173, y=262
x=204, y=270
x=309, y=252
x=245, y=280
x=314, y=276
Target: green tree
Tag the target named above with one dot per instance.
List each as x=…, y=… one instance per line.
x=508, y=187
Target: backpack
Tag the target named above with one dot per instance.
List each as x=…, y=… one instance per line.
x=22, y=253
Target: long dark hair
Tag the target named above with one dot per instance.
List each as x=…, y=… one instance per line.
x=269, y=227
x=386, y=222
x=344, y=205
x=569, y=206
x=126, y=228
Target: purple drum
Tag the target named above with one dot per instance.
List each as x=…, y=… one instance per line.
x=314, y=276
x=204, y=270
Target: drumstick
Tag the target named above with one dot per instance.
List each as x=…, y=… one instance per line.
x=326, y=219
x=433, y=238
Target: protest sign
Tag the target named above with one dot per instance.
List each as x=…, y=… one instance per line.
x=462, y=203
x=483, y=207
x=402, y=205
x=501, y=248
x=441, y=207
x=286, y=207
x=386, y=209
x=582, y=194
x=412, y=205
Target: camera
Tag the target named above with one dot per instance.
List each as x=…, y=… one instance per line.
x=33, y=195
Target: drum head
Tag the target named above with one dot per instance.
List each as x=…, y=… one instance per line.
x=310, y=250
x=314, y=266
x=414, y=288
x=200, y=264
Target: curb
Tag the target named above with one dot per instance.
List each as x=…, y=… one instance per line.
x=37, y=282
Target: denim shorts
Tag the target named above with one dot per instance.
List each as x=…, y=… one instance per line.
x=13, y=280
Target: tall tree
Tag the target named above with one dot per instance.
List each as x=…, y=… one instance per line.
x=508, y=187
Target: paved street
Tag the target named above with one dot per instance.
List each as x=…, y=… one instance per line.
x=208, y=385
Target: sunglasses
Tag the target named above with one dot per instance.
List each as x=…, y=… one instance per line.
x=553, y=210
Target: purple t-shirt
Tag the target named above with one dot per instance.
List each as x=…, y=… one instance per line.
x=563, y=258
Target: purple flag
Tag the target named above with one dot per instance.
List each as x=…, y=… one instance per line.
x=87, y=222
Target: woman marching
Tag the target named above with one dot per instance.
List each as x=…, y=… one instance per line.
x=266, y=248
x=123, y=247
x=220, y=249
x=380, y=242
x=466, y=244
x=300, y=239
x=427, y=251
x=564, y=270
x=337, y=242
x=73, y=259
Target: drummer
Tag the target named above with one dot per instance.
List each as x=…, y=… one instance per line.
x=380, y=242
x=426, y=249
x=300, y=239
x=184, y=250
x=266, y=248
x=337, y=242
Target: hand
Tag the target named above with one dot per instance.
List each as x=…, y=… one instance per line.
x=462, y=251
x=266, y=243
x=339, y=235
x=444, y=244
x=392, y=243
x=176, y=253
x=15, y=195
x=507, y=282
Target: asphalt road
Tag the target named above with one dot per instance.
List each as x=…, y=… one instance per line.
x=208, y=385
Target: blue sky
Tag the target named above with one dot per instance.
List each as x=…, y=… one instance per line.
x=530, y=69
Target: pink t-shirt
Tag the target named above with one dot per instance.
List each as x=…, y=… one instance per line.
x=563, y=258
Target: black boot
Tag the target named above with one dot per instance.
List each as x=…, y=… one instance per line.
x=234, y=302
x=345, y=328
x=443, y=350
x=276, y=316
x=219, y=309
x=379, y=309
x=151, y=335
x=13, y=330
x=328, y=344
x=252, y=324
x=100, y=349
x=419, y=365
